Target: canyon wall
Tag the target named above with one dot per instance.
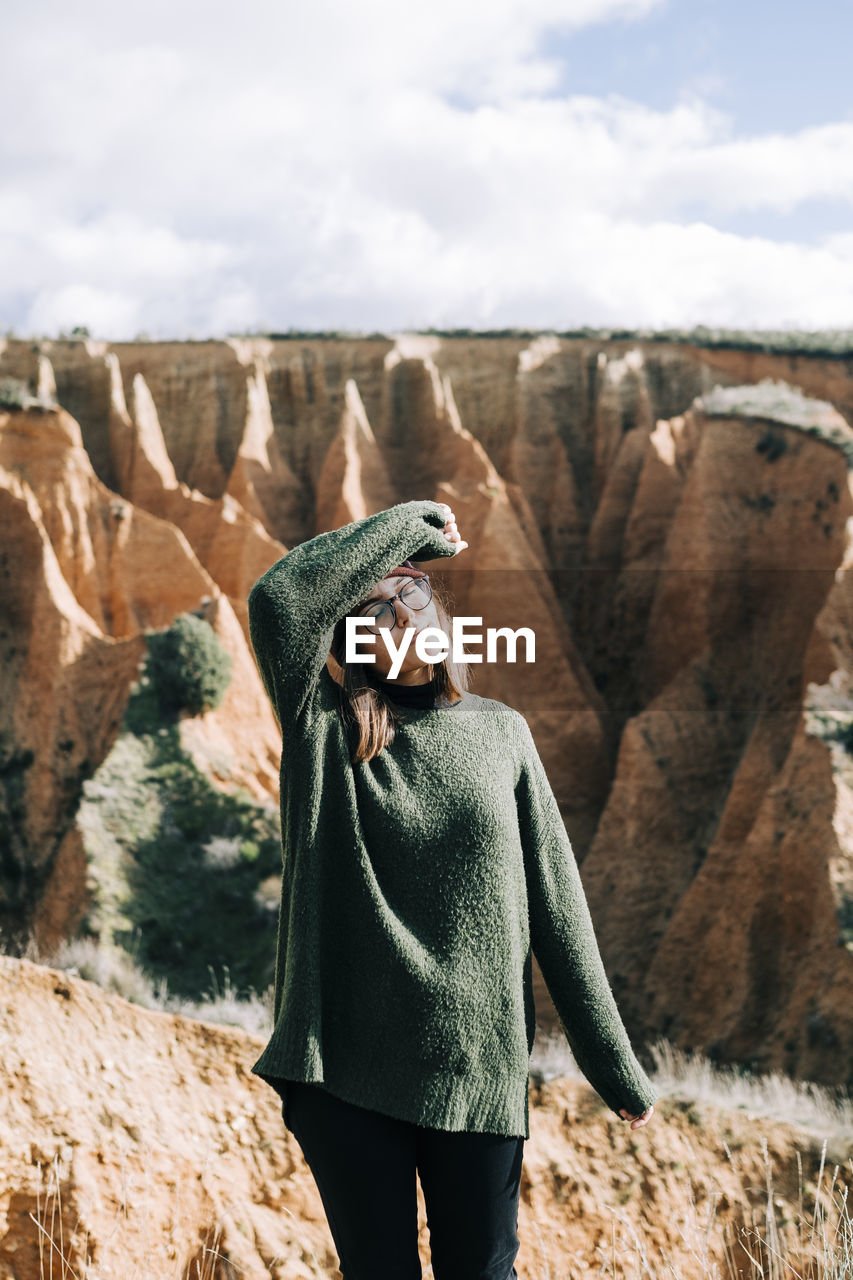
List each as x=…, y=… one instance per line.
x=681, y=554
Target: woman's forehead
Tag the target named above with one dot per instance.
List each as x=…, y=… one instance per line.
x=386, y=586
x=391, y=583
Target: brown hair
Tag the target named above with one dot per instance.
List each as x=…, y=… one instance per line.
x=368, y=713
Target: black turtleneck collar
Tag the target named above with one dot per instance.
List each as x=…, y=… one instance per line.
x=420, y=696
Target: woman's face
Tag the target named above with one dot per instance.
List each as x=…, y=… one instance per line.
x=407, y=616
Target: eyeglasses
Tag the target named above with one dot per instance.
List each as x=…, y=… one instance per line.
x=416, y=594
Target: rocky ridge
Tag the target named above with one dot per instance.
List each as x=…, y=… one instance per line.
x=684, y=558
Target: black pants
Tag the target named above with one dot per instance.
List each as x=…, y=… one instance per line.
x=364, y=1164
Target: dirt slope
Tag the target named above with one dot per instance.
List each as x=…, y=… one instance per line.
x=138, y=1139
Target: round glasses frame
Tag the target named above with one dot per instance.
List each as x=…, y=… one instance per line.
x=415, y=587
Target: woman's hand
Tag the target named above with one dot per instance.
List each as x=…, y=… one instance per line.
x=637, y=1122
x=450, y=531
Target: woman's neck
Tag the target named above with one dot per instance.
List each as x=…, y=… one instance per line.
x=422, y=675
x=418, y=695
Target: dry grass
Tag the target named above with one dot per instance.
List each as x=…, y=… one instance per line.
x=62, y=1256
x=824, y=1111
x=114, y=969
x=818, y=1245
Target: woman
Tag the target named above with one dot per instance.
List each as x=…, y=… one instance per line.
x=424, y=860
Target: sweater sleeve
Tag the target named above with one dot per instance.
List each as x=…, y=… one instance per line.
x=294, y=606
x=563, y=940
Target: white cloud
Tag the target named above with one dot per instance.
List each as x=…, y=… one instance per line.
x=775, y=171
x=103, y=311
x=597, y=269
x=189, y=169
x=118, y=242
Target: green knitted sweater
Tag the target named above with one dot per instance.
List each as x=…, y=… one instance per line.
x=415, y=885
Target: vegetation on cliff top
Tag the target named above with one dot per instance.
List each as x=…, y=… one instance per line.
x=15, y=394
x=828, y=343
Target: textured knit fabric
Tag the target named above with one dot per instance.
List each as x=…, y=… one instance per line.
x=416, y=884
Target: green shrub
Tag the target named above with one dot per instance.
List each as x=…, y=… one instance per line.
x=184, y=876
x=190, y=905
x=15, y=394
x=187, y=666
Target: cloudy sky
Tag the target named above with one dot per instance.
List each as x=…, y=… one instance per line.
x=188, y=169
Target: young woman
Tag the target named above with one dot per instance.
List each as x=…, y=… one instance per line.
x=424, y=861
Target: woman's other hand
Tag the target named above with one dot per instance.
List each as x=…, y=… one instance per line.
x=450, y=531
x=637, y=1122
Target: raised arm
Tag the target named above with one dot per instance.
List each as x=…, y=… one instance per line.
x=294, y=606
x=563, y=940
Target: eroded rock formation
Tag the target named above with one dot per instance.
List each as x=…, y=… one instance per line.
x=84, y=573
x=680, y=552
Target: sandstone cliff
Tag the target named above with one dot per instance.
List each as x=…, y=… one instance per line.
x=681, y=553
x=84, y=573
